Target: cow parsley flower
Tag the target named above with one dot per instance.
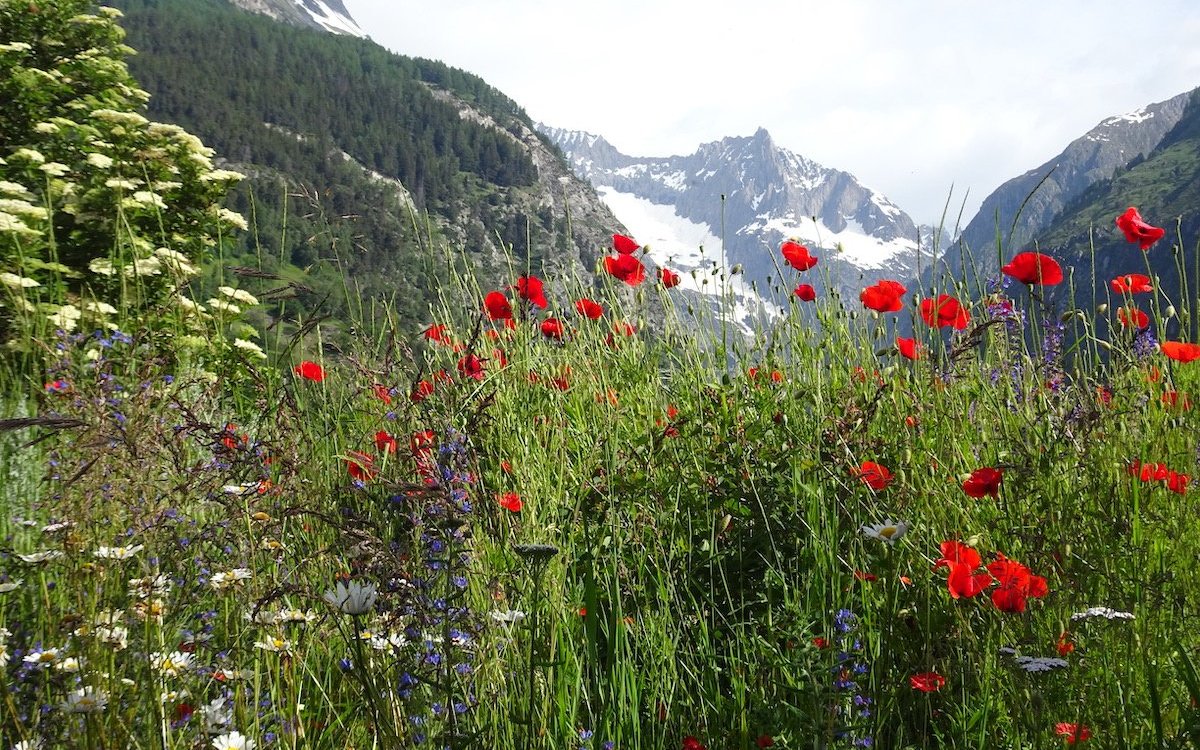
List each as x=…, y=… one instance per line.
x=1105, y=612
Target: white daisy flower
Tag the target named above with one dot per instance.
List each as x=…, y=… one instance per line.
x=54, y=528
x=85, y=700
x=352, y=598
x=11, y=585
x=42, y=657
x=889, y=531
x=275, y=644
x=233, y=741
x=172, y=664
x=70, y=664
x=144, y=588
x=216, y=716
x=294, y=616
x=227, y=580
x=55, y=169
x=118, y=553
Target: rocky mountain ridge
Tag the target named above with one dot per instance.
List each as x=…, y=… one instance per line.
x=749, y=194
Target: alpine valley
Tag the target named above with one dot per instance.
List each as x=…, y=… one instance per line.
x=349, y=145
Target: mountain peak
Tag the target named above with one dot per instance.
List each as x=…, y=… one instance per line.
x=327, y=15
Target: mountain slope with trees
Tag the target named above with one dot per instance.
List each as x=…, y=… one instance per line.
x=361, y=159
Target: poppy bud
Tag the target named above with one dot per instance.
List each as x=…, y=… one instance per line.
x=1101, y=309
x=737, y=269
x=1170, y=311
x=1104, y=345
x=973, y=541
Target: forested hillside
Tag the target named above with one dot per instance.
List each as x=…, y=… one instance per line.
x=359, y=158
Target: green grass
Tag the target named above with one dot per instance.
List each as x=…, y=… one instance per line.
x=708, y=550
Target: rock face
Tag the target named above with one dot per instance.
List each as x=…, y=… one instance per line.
x=1046, y=190
x=750, y=194
x=328, y=15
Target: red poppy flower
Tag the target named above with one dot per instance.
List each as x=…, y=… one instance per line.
x=1137, y=230
x=383, y=393
x=552, y=328
x=421, y=443
x=421, y=391
x=588, y=309
x=471, y=366
x=668, y=278
x=820, y=642
x=985, y=481
x=497, y=306
x=622, y=328
x=1180, y=351
x=927, y=682
x=962, y=561
x=1178, y=483
x=1015, y=584
x=945, y=311
x=510, y=501
x=1073, y=732
x=1132, y=316
x=765, y=740
x=805, y=292
x=1034, y=268
x=1131, y=283
x=876, y=476
x=964, y=583
x=627, y=268
x=310, y=371
x=436, y=333
x=1064, y=646
x=691, y=743
x=529, y=288
x=1176, y=399
x=908, y=348
x=624, y=245
x=361, y=466
x=385, y=443
x=884, y=296
x=796, y=256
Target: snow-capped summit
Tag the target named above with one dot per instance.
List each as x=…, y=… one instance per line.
x=329, y=15
x=746, y=195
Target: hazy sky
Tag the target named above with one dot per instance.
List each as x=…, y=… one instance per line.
x=911, y=96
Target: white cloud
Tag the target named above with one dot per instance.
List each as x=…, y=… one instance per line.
x=910, y=97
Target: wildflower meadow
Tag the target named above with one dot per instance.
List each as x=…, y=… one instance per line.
x=567, y=513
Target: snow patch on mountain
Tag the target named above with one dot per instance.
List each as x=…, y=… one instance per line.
x=692, y=250
x=853, y=244
x=330, y=19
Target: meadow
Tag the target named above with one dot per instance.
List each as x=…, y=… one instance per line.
x=565, y=514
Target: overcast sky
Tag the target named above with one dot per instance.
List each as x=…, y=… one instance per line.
x=911, y=96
